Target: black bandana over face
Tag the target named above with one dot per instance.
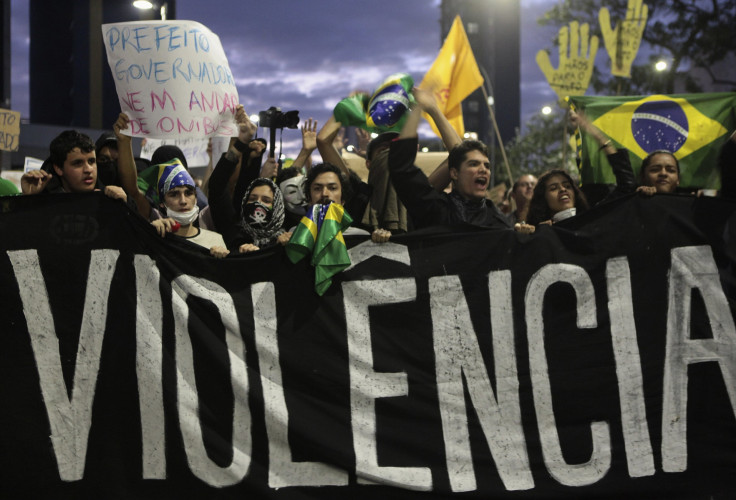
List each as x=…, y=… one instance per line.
x=260, y=222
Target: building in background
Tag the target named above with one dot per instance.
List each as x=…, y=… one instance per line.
x=70, y=82
x=493, y=29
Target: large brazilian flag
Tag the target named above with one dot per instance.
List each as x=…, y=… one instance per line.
x=691, y=126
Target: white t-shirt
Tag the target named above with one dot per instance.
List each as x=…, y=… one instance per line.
x=207, y=239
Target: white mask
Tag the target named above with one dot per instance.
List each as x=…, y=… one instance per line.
x=293, y=191
x=184, y=218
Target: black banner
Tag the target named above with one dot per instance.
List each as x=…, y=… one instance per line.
x=593, y=359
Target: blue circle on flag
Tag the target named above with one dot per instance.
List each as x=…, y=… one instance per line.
x=388, y=105
x=660, y=125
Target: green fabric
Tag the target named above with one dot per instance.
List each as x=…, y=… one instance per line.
x=691, y=126
x=362, y=110
x=7, y=188
x=302, y=239
x=330, y=255
x=320, y=233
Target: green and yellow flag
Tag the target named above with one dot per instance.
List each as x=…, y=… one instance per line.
x=330, y=255
x=302, y=240
x=691, y=126
x=384, y=111
x=320, y=233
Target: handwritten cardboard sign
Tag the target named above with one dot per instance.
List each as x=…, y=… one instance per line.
x=172, y=79
x=9, y=130
x=194, y=149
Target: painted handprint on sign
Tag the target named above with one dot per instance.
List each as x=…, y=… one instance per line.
x=623, y=40
x=572, y=76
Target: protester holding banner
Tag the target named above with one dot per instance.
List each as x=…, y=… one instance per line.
x=168, y=152
x=556, y=197
x=179, y=205
x=73, y=169
x=659, y=173
x=258, y=223
x=469, y=171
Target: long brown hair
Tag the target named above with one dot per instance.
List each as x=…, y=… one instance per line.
x=539, y=210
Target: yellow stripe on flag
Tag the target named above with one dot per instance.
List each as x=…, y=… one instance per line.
x=634, y=123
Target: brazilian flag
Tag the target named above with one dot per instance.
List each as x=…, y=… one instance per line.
x=302, y=240
x=330, y=255
x=320, y=233
x=384, y=111
x=691, y=126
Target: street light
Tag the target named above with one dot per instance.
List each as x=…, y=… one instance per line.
x=146, y=5
x=661, y=65
x=546, y=110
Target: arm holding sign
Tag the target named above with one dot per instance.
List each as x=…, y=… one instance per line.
x=222, y=204
x=127, y=171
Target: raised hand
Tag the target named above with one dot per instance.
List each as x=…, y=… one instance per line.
x=121, y=124
x=309, y=135
x=622, y=42
x=364, y=138
x=246, y=128
x=572, y=76
x=424, y=98
x=269, y=168
x=256, y=148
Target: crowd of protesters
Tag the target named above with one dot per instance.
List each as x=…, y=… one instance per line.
x=252, y=204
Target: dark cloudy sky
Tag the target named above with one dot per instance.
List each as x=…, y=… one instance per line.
x=308, y=55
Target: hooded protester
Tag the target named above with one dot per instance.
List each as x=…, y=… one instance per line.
x=262, y=213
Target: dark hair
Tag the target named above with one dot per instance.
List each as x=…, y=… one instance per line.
x=322, y=168
x=539, y=210
x=646, y=161
x=67, y=141
x=287, y=173
x=457, y=154
x=168, y=152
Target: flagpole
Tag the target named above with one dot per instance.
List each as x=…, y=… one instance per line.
x=498, y=134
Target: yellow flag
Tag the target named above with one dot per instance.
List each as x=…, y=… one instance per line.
x=453, y=76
